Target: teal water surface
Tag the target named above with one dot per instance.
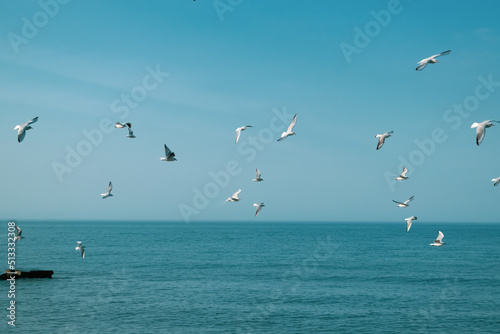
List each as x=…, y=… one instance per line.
x=153, y=277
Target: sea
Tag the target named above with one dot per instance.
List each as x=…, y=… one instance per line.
x=249, y=277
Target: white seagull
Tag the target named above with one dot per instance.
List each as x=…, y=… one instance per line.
x=169, y=155
x=21, y=129
x=235, y=197
x=123, y=125
x=130, y=133
x=496, y=181
x=481, y=129
x=18, y=234
x=409, y=221
x=108, y=192
x=258, y=206
x=405, y=203
x=238, y=132
x=258, y=178
x=431, y=60
x=439, y=240
x=403, y=176
x=381, y=139
x=289, y=131
x=81, y=248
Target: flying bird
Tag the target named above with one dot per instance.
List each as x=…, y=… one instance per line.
x=258, y=178
x=496, y=181
x=403, y=176
x=431, y=60
x=18, y=234
x=108, y=192
x=481, y=129
x=81, y=248
x=21, y=129
x=235, y=197
x=381, y=139
x=439, y=240
x=258, y=206
x=409, y=221
x=169, y=155
x=405, y=203
x=123, y=125
x=238, y=132
x=289, y=131
x=130, y=133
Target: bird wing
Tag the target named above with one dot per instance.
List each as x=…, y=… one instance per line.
x=397, y=202
x=110, y=187
x=381, y=141
x=442, y=54
x=405, y=170
x=258, y=208
x=19, y=231
x=130, y=132
x=409, y=200
x=440, y=236
x=167, y=151
x=496, y=181
x=32, y=121
x=258, y=174
x=408, y=223
x=238, y=134
x=422, y=65
x=291, y=126
x=480, y=131
x=235, y=195
x=21, y=133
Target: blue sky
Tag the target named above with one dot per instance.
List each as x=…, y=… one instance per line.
x=233, y=63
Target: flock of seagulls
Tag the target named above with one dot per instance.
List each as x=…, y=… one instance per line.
x=170, y=156
x=258, y=178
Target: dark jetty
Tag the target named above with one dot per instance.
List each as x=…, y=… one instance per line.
x=17, y=274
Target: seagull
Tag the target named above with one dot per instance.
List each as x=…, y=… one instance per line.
x=238, y=132
x=21, y=129
x=409, y=221
x=123, y=125
x=289, y=131
x=81, y=248
x=431, y=60
x=381, y=139
x=258, y=178
x=130, y=133
x=481, y=129
x=18, y=234
x=258, y=206
x=403, y=176
x=108, y=192
x=496, y=181
x=169, y=155
x=438, y=241
x=235, y=197
x=405, y=203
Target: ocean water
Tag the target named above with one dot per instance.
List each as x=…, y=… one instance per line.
x=152, y=277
